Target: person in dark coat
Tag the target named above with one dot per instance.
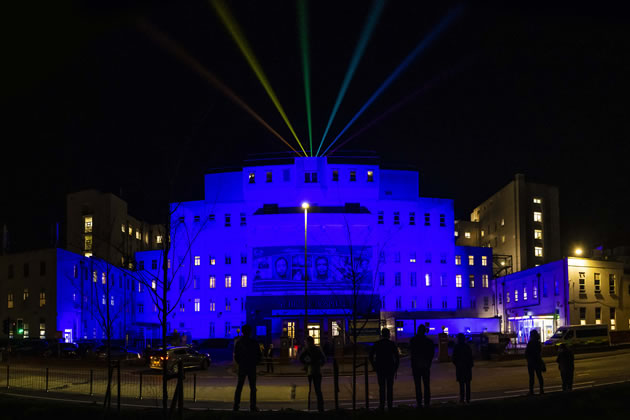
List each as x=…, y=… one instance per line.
x=385, y=359
x=535, y=363
x=566, y=364
x=247, y=355
x=422, y=352
x=463, y=361
x=314, y=358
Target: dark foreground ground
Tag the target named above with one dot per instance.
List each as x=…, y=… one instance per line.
x=610, y=402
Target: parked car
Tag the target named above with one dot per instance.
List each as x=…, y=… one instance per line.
x=580, y=335
x=69, y=350
x=119, y=353
x=30, y=347
x=190, y=358
x=87, y=347
x=220, y=349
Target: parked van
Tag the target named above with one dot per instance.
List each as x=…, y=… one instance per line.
x=580, y=335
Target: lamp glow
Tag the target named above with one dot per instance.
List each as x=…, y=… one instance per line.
x=578, y=251
x=305, y=205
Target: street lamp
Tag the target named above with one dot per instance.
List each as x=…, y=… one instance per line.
x=305, y=206
x=578, y=251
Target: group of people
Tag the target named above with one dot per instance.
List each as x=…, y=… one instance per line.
x=385, y=360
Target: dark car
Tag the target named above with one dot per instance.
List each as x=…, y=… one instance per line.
x=220, y=349
x=189, y=357
x=69, y=350
x=30, y=347
x=87, y=348
x=119, y=353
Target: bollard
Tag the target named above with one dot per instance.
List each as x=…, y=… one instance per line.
x=140, y=396
x=91, y=382
x=194, y=387
x=46, y=379
x=367, y=383
x=336, y=382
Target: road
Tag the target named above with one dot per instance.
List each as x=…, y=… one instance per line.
x=215, y=388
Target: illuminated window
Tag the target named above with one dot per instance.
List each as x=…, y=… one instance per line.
x=197, y=260
x=268, y=176
x=458, y=260
x=524, y=293
x=471, y=260
x=412, y=257
x=158, y=239
x=103, y=278
x=42, y=330
x=87, y=224
x=10, y=300
x=538, y=251
x=502, y=222
x=130, y=230
x=598, y=315
x=88, y=242
x=212, y=305
x=213, y=261
x=467, y=235
x=458, y=280
x=111, y=300
x=103, y=299
x=613, y=320
x=182, y=307
x=598, y=283
x=228, y=281
x=291, y=329
x=153, y=285
x=471, y=280
x=427, y=279
x=138, y=234
x=456, y=234
x=228, y=304
x=123, y=228
x=484, y=281
x=535, y=291
x=483, y=233
x=502, y=238
x=197, y=305
x=353, y=176
x=516, y=296
x=252, y=177
x=370, y=176
x=213, y=282
x=537, y=200
x=243, y=280
x=484, y=260
x=611, y=284
x=537, y=234
x=381, y=218
x=582, y=316
x=335, y=175
x=537, y=216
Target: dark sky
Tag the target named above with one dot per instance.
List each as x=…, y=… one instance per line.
x=94, y=103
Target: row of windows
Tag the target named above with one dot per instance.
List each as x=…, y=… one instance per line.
x=311, y=176
x=26, y=270
x=413, y=303
x=612, y=316
x=523, y=295
x=428, y=280
x=597, y=283
x=412, y=218
x=471, y=260
x=25, y=296
x=88, y=226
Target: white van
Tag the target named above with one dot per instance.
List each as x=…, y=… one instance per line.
x=580, y=335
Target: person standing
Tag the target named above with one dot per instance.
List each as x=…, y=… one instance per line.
x=247, y=355
x=535, y=363
x=422, y=352
x=566, y=364
x=385, y=359
x=463, y=361
x=269, y=358
x=314, y=358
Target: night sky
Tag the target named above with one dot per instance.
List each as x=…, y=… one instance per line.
x=93, y=102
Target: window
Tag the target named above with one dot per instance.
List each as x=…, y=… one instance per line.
x=484, y=281
x=228, y=223
x=158, y=239
x=42, y=330
x=467, y=235
x=538, y=251
x=597, y=281
x=353, y=176
x=182, y=307
x=442, y=258
x=243, y=219
x=516, y=296
x=471, y=280
x=130, y=230
x=582, y=283
x=537, y=216
x=154, y=264
x=535, y=291
x=94, y=276
x=370, y=176
x=25, y=294
x=502, y=222
x=458, y=280
x=484, y=260
x=427, y=258
x=310, y=177
x=442, y=220
x=103, y=278
x=483, y=233
x=138, y=234
x=473, y=303
x=537, y=234
x=458, y=260
x=429, y=302
x=228, y=281
x=213, y=282
x=211, y=217
x=197, y=305
x=381, y=218
x=613, y=320
x=537, y=200
x=196, y=219
x=412, y=279
x=396, y=218
x=397, y=279
x=268, y=176
x=10, y=301
x=87, y=224
x=381, y=279
x=212, y=260
x=252, y=177
x=556, y=287
x=228, y=304
x=412, y=218
x=399, y=302
x=197, y=260
x=598, y=315
x=459, y=302
x=140, y=308
x=140, y=265
x=457, y=234
x=153, y=285
x=443, y=280
x=427, y=279
x=503, y=239
x=427, y=219
x=123, y=228
x=243, y=280
x=412, y=257
x=195, y=282
x=611, y=284
x=471, y=260
x=243, y=258
x=524, y=292
x=507, y=297
x=414, y=302
x=212, y=305
x=444, y=303
x=486, y=301
x=335, y=175
x=228, y=259
x=111, y=300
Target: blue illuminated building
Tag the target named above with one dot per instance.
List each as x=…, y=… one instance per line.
x=239, y=254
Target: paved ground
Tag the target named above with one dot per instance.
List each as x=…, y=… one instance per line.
x=288, y=388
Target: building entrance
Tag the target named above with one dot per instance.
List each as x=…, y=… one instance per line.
x=315, y=331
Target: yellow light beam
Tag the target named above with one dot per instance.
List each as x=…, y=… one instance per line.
x=175, y=49
x=236, y=33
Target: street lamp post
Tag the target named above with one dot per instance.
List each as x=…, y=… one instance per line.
x=305, y=206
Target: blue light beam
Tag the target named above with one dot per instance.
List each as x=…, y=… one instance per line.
x=448, y=19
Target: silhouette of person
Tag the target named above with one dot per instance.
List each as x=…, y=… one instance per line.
x=566, y=364
x=385, y=359
x=247, y=356
x=282, y=267
x=463, y=361
x=269, y=357
x=314, y=358
x=422, y=352
x=535, y=363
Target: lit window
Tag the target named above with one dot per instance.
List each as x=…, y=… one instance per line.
x=138, y=234
x=483, y=233
x=456, y=234
x=471, y=260
x=598, y=315
x=213, y=282
x=582, y=282
x=87, y=224
x=458, y=260
x=502, y=222
x=88, y=242
x=582, y=316
x=537, y=200
x=538, y=251
x=516, y=296
x=103, y=278
x=10, y=300
x=228, y=281
x=42, y=331
x=111, y=300
x=212, y=306
x=467, y=235
x=130, y=231
x=370, y=176
x=484, y=281
x=502, y=238
x=123, y=228
x=524, y=293
x=471, y=280
x=484, y=260
x=598, y=283
x=182, y=307
x=103, y=300
x=535, y=291
x=537, y=234
x=252, y=177
x=537, y=216
x=458, y=280
x=197, y=305
x=269, y=176
x=427, y=279
x=611, y=284
x=158, y=239
x=228, y=304
x=243, y=280
x=613, y=321
x=412, y=257
x=213, y=260
x=197, y=260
